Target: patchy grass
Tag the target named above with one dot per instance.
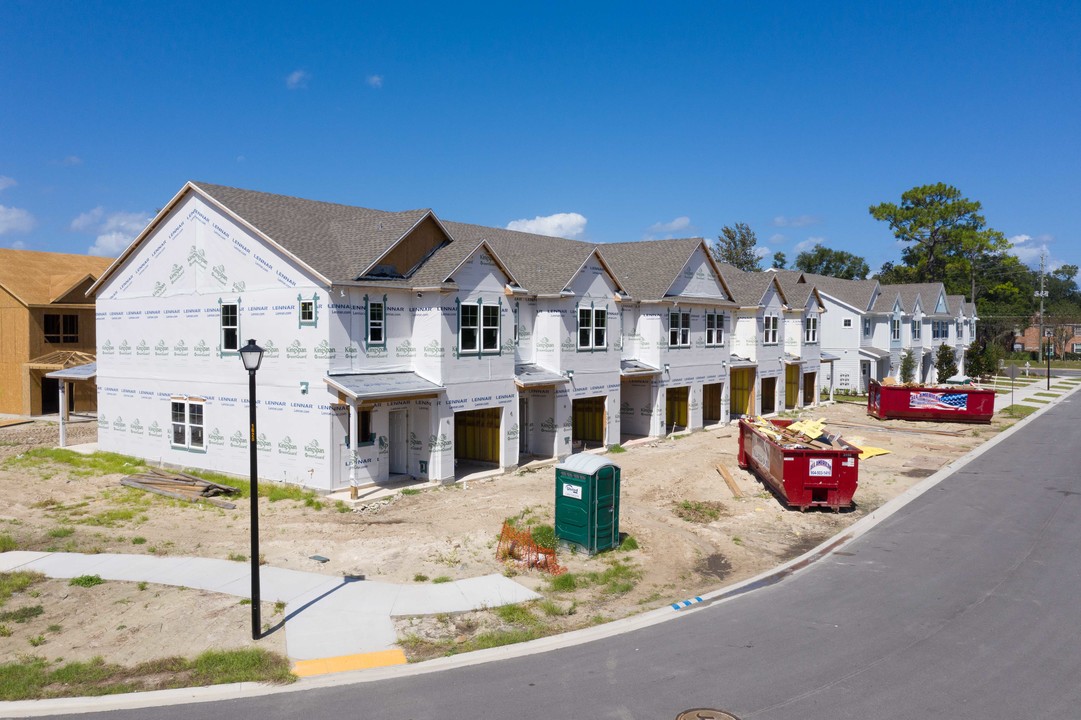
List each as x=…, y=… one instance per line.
x=517, y=615
x=699, y=511
x=616, y=449
x=99, y=463
x=7, y=543
x=628, y=543
x=61, y=532
x=441, y=579
x=420, y=577
x=1018, y=411
x=22, y=614
x=1047, y=394
x=1037, y=401
x=410, y=491
x=15, y=582
x=34, y=678
x=618, y=578
x=86, y=581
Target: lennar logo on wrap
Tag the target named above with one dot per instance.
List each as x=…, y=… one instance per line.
x=821, y=467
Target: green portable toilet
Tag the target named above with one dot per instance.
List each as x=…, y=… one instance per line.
x=587, y=502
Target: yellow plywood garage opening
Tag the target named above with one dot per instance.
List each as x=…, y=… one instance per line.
x=588, y=421
x=476, y=435
x=675, y=409
x=791, y=386
x=742, y=398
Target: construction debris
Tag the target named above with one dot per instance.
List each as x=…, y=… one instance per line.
x=729, y=480
x=800, y=434
x=181, y=486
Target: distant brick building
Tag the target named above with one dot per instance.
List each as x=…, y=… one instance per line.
x=1066, y=337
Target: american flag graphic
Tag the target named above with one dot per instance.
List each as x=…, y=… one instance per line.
x=938, y=401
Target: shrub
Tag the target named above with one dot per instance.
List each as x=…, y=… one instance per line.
x=544, y=536
x=908, y=367
x=86, y=581
x=945, y=362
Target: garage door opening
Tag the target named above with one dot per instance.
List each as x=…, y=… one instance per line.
x=588, y=422
x=476, y=439
x=791, y=386
x=675, y=409
x=742, y=397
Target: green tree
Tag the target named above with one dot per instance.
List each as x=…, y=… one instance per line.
x=940, y=227
x=908, y=367
x=737, y=246
x=822, y=260
x=779, y=260
x=945, y=362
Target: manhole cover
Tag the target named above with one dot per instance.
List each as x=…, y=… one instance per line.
x=705, y=714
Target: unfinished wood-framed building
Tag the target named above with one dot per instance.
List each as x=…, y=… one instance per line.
x=46, y=323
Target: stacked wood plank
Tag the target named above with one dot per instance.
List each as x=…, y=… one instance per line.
x=181, y=486
x=804, y=433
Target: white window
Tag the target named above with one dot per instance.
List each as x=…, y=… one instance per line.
x=1077, y=348
x=517, y=319
x=187, y=421
x=847, y=323
x=679, y=329
x=478, y=329
x=769, y=330
x=307, y=311
x=377, y=322
x=230, y=328
x=592, y=328
x=810, y=329
x=917, y=328
x=714, y=329
x=895, y=329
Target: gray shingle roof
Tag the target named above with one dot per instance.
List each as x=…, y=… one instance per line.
x=956, y=305
x=541, y=264
x=926, y=292
x=795, y=292
x=647, y=269
x=338, y=241
x=857, y=293
x=747, y=287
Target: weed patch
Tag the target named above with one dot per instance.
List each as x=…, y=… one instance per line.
x=699, y=511
x=22, y=614
x=86, y=581
x=7, y=543
x=16, y=582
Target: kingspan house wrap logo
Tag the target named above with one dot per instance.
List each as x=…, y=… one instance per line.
x=512, y=432
x=180, y=349
x=545, y=345
x=119, y=425
x=286, y=446
x=125, y=347
x=237, y=440
x=439, y=443
x=107, y=348
x=549, y=425
x=176, y=273
x=142, y=348
x=262, y=443
x=434, y=350
x=202, y=349
x=351, y=351
x=414, y=442
x=218, y=273
x=103, y=422
x=136, y=427
x=296, y=351
x=312, y=450
x=154, y=430
x=161, y=349
x=159, y=288
x=197, y=256
x=239, y=286
x=405, y=350
x=324, y=351
x=270, y=350
x=216, y=438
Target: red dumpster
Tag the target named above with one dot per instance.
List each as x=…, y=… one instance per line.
x=804, y=477
x=951, y=403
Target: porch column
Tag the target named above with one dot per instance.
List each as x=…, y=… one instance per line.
x=63, y=385
x=353, y=421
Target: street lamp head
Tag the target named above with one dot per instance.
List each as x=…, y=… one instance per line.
x=251, y=355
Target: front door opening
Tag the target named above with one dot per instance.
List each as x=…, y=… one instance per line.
x=791, y=386
x=769, y=395
x=398, y=460
x=711, y=403
x=675, y=409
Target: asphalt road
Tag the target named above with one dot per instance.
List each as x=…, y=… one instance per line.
x=965, y=604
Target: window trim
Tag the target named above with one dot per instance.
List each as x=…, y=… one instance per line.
x=917, y=330
x=480, y=327
x=369, y=304
x=895, y=329
x=770, y=329
x=224, y=351
x=868, y=328
x=846, y=323
x=301, y=302
x=517, y=319
x=591, y=328
x=718, y=328
x=810, y=329
x=188, y=403
x=361, y=440
x=682, y=328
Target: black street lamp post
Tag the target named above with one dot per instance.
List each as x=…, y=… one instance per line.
x=252, y=355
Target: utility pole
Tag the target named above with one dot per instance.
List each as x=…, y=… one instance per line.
x=1041, y=293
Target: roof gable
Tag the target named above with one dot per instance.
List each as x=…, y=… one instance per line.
x=41, y=278
x=648, y=269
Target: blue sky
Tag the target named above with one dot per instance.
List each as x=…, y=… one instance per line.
x=601, y=121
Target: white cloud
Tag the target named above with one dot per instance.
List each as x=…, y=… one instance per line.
x=799, y=221
x=6, y=182
x=762, y=251
x=72, y=160
x=680, y=223
x=87, y=220
x=776, y=238
x=375, y=81
x=15, y=220
x=565, y=225
x=1028, y=249
x=114, y=231
x=805, y=245
x=297, y=80
x=18, y=245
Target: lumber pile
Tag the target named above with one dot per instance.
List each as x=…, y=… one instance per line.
x=181, y=486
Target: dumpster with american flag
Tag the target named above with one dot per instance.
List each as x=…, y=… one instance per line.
x=950, y=403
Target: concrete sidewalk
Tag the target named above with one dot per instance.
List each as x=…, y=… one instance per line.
x=1026, y=394
x=331, y=623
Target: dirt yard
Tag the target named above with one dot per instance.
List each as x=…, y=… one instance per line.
x=692, y=536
